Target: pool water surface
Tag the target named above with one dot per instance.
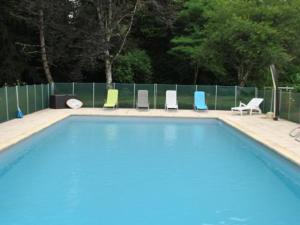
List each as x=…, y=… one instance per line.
x=146, y=171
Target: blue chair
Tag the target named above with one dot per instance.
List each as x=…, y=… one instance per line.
x=199, y=101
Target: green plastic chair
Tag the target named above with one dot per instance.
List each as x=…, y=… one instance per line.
x=112, y=99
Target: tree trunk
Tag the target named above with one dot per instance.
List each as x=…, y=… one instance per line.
x=43, y=47
x=243, y=75
x=108, y=68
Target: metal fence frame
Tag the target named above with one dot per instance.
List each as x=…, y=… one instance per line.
x=219, y=97
x=26, y=110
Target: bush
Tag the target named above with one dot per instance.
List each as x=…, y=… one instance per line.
x=134, y=66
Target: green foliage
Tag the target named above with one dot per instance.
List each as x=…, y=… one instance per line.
x=242, y=36
x=134, y=66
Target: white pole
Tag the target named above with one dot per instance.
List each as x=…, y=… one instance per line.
x=289, y=109
x=216, y=97
x=48, y=86
x=235, y=96
x=93, y=95
x=134, y=95
x=6, y=100
x=27, y=99
x=17, y=97
x=73, y=88
x=34, y=97
x=154, y=93
x=42, y=88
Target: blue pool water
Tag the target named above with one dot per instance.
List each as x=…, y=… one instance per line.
x=131, y=171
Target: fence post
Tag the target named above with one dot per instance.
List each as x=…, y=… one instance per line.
x=134, y=95
x=280, y=101
x=6, y=100
x=256, y=92
x=264, y=108
x=27, y=99
x=216, y=97
x=52, y=88
x=73, y=88
x=48, y=87
x=93, y=95
x=17, y=96
x=289, y=107
x=34, y=97
x=42, y=89
x=154, y=95
x=196, y=88
x=176, y=87
x=235, y=96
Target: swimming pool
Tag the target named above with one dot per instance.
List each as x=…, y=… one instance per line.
x=146, y=171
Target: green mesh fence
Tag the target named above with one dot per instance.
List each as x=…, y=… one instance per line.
x=100, y=95
x=210, y=95
x=64, y=88
x=151, y=93
x=12, y=102
x=185, y=95
x=284, y=104
x=267, y=105
x=161, y=94
x=46, y=95
x=23, y=99
x=226, y=97
x=3, y=116
x=294, y=108
x=36, y=97
x=126, y=95
x=245, y=94
x=84, y=92
x=31, y=99
x=39, y=97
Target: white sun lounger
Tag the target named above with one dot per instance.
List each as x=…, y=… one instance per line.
x=252, y=106
x=171, y=100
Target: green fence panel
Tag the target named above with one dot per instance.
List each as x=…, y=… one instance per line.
x=126, y=95
x=245, y=94
x=161, y=94
x=294, y=113
x=63, y=88
x=225, y=97
x=210, y=95
x=185, y=95
x=151, y=93
x=23, y=99
x=84, y=92
x=46, y=96
x=267, y=104
x=284, y=104
x=3, y=116
x=39, y=97
x=31, y=99
x=12, y=102
x=100, y=94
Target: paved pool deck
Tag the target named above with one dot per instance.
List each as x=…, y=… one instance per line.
x=274, y=134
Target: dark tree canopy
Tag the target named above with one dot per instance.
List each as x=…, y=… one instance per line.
x=144, y=41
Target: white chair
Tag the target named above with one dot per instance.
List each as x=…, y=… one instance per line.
x=252, y=106
x=171, y=100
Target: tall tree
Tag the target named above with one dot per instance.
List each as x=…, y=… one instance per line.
x=110, y=23
x=238, y=35
x=49, y=19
